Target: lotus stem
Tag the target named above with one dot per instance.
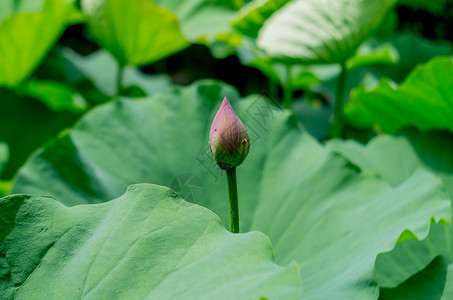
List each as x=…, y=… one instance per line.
x=233, y=197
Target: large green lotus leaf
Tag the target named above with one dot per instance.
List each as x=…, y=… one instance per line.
x=172, y=25
x=28, y=30
x=319, y=211
x=314, y=31
x=149, y=243
x=203, y=20
x=396, y=158
x=326, y=216
x=423, y=100
x=135, y=32
x=368, y=54
x=434, y=252
x=252, y=16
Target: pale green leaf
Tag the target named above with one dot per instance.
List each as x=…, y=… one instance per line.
x=100, y=68
x=424, y=100
x=27, y=35
x=203, y=21
x=321, y=31
x=147, y=244
x=55, y=95
x=134, y=32
x=252, y=16
x=368, y=55
x=396, y=158
x=10, y=7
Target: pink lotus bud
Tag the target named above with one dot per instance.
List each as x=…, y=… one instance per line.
x=228, y=140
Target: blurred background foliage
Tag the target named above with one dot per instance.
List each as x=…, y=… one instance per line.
x=61, y=58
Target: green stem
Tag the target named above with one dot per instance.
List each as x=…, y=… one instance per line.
x=337, y=129
x=233, y=197
x=287, y=90
x=119, y=80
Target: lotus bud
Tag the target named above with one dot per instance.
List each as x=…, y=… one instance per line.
x=228, y=139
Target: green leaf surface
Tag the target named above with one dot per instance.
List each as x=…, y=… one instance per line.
x=252, y=16
x=55, y=95
x=149, y=243
x=319, y=211
x=5, y=187
x=203, y=21
x=423, y=100
x=315, y=116
x=26, y=124
x=333, y=231
x=10, y=7
x=100, y=69
x=76, y=16
x=371, y=53
x=314, y=31
x=368, y=55
x=28, y=30
x=396, y=158
x=132, y=31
